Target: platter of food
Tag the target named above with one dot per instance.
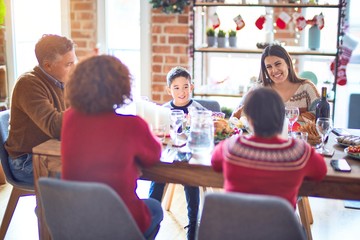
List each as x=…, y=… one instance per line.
x=350, y=140
x=353, y=151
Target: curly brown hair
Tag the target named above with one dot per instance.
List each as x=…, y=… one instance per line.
x=98, y=84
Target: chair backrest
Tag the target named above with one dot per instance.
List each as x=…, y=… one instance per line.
x=85, y=210
x=4, y=133
x=309, y=75
x=248, y=216
x=354, y=113
x=211, y=105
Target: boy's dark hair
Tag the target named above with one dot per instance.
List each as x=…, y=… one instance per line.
x=50, y=46
x=265, y=108
x=175, y=73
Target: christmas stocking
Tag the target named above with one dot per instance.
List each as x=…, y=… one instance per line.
x=215, y=20
x=320, y=21
x=299, y=20
x=260, y=22
x=348, y=45
x=239, y=22
x=282, y=20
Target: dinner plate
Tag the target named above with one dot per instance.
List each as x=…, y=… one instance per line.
x=345, y=144
x=353, y=155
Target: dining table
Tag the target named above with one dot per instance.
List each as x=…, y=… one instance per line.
x=198, y=172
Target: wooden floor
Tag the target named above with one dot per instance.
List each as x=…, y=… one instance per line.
x=331, y=220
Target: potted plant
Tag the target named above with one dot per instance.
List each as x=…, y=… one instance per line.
x=210, y=33
x=232, y=38
x=221, y=38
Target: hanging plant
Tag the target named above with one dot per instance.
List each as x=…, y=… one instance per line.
x=170, y=6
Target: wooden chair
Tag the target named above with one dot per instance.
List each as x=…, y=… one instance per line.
x=19, y=189
x=85, y=210
x=248, y=216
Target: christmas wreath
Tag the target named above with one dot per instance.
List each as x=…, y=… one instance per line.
x=170, y=6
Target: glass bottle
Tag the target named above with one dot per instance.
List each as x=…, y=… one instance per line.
x=323, y=107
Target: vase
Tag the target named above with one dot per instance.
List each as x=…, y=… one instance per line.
x=232, y=41
x=314, y=37
x=210, y=41
x=221, y=42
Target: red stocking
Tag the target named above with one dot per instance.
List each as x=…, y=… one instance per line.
x=346, y=49
x=282, y=20
x=260, y=22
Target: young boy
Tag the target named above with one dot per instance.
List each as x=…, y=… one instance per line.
x=180, y=87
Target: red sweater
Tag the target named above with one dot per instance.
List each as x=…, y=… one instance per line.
x=108, y=148
x=267, y=166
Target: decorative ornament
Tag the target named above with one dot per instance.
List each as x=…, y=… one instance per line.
x=215, y=20
x=282, y=20
x=239, y=22
x=259, y=23
x=347, y=46
x=170, y=6
x=301, y=22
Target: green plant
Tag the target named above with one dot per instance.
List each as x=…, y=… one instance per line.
x=232, y=33
x=227, y=111
x=221, y=33
x=170, y=6
x=210, y=32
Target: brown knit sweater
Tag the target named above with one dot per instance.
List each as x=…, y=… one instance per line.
x=36, y=112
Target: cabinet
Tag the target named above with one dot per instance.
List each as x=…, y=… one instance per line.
x=227, y=72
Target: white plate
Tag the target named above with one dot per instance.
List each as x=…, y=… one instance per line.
x=353, y=155
x=346, y=144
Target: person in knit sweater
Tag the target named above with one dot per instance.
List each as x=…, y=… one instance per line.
x=277, y=72
x=98, y=145
x=37, y=103
x=264, y=163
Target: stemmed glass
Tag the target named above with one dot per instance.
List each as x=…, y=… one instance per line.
x=177, y=119
x=292, y=114
x=324, y=127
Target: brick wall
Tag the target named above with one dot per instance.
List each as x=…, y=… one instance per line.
x=170, y=48
x=83, y=19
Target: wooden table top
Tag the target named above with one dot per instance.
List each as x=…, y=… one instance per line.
x=199, y=172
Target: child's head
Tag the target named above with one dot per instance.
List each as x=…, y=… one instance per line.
x=265, y=111
x=179, y=85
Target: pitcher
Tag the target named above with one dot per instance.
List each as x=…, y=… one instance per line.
x=201, y=136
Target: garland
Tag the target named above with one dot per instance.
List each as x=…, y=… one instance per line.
x=170, y=6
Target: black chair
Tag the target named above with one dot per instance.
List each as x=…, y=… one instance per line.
x=354, y=113
x=85, y=210
x=248, y=216
x=19, y=189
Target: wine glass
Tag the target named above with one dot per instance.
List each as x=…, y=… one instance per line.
x=324, y=127
x=292, y=114
x=177, y=118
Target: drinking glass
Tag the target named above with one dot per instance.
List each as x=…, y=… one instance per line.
x=324, y=127
x=176, y=121
x=292, y=114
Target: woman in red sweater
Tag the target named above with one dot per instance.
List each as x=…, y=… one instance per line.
x=264, y=163
x=101, y=146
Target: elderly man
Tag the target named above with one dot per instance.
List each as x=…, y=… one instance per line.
x=37, y=103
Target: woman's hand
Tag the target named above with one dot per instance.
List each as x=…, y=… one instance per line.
x=237, y=112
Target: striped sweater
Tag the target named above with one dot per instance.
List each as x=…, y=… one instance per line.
x=271, y=166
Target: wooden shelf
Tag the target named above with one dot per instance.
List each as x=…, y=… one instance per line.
x=292, y=51
x=285, y=5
